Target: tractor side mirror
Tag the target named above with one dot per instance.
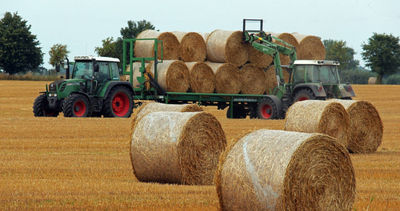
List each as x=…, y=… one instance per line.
x=96, y=68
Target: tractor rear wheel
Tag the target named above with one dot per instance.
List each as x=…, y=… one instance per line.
x=118, y=103
x=76, y=105
x=41, y=107
x=267, y=109
x=304, y=94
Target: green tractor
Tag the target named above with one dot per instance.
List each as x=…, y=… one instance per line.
x=94, y=89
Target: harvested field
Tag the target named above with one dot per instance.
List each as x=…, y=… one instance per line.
x=59, y=163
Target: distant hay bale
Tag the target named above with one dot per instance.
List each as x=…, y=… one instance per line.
x=281, y=170
x=271, y=81
x=317, y=116
x=172, y=75
x=150, y=107
x=177, y=147
x=202, y=78
x=227, y=78
x=192, y=46
x=253, y=79
x=372, y=80
x=290, y=39
x=366, y=127
x=136, y=73
x=145, y=48
x=226, y=46
x=258, y=58
x=310, y=47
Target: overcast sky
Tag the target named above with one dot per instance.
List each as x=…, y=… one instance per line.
x=81, y=25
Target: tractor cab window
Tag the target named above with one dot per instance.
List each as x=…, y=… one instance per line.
x=82, y=70
x=328, y=74
x=299, y=74
x=104, y=72
x=114, y=71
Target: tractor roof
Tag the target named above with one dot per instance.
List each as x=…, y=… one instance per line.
x=102, y=59
x=316, y=62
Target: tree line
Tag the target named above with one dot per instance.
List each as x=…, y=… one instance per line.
x=20, y=51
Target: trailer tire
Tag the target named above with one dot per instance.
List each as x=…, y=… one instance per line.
x=239, y=112
x=118, y=103
x=267, y=109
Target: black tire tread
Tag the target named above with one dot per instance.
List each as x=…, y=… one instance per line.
x=40, y=106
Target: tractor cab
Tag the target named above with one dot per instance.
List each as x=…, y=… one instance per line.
x=318, y=79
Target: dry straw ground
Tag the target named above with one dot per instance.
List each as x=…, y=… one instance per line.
x=55, y=163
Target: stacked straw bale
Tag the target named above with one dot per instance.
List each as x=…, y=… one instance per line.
x=258, y=58
x=202, y=78
x=136, y=73
x=145, y=48
x=173, y=75
x=366, y=127
x=253, y=79
x=281, y=170
x=290, y=39
x=317, y=116
x=192, y=46
x=150, y=107
x=227, y=78
x=271, y=80
x=310, y=47
x=177, y=147
x=226, y=46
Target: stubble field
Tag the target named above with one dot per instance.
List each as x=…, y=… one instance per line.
x=61, y=163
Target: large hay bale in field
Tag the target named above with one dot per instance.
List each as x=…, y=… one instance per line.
x=271, y=81
x=372, y=80
x=290, y=39
x=177, y=147
x=202, y=78
x=150, y=107
x=280, y=170
x=317, y=116
x=366, y=127
x=253, y=79
x=145, y=48
x=192, y=46
x=226, y=46
x=310, y=47
x=227, y=78
x=172, y=75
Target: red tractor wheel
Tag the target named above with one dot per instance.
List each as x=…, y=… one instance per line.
x=76, y=105
x=118, y=103
x=304, y=94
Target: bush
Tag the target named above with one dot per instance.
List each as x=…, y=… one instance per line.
x=355, y=76
x=392, y=79
x=28, y=77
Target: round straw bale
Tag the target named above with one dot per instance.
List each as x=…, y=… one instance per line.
x=227, y=78
x=205, y=36
x=372, y=80
x=136, y=73
x=271, y=81
x=317, y=116
x=258, y=58
x=290, y=39
x=145, y=48
x=366, y=127
x=177, y=147
x=172, y=75
x=202, y=78
x=253, y=79
x=310, y=47
x=281, y=170
x=192, y=46
x=226, y=46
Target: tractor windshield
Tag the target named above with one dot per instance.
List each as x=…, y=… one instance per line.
x=83, y=70
x=315, y=74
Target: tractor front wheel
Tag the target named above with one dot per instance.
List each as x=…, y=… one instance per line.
x=304, y=94
x=41, y=107
x=118, y=103
x=76, y=105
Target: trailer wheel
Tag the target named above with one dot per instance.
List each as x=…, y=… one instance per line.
x=239, y=112
x=118, y=103
x=267, y=109
x=41, y=107
x=76, y=105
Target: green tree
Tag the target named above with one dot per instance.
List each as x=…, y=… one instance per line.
x=57, y=54
x=382, y=54
x=113, y=48
x=19, y=48
x=338, y=51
